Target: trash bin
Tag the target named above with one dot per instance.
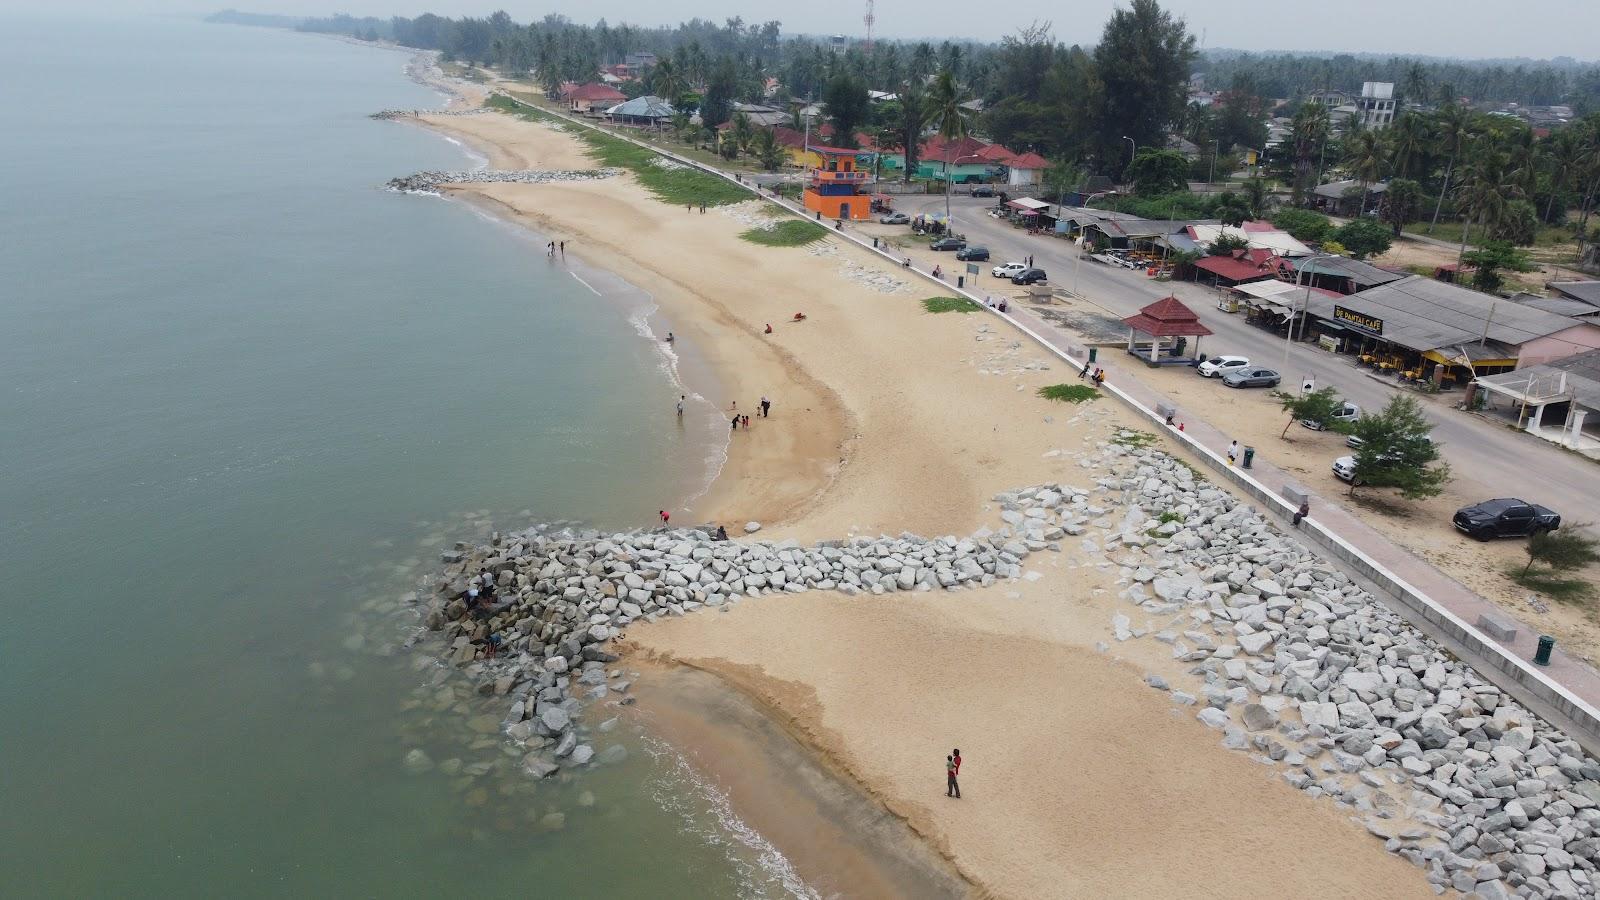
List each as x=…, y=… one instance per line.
x=1541, y=657
x=961, y=281
x=1249, y=456
x=1093, y=352
x=874, y=243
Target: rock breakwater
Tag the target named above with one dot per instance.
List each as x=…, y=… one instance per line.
x=1302, y=668
x=430, y=182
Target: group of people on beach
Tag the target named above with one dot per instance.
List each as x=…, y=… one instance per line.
x=553, y=247
x=741, y=420
x=1099, y=376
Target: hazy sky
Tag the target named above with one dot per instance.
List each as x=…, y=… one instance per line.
x=1476, y=28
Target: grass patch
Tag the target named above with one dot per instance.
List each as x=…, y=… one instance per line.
x=789, y=233
x=950, y=304
x=1131, y=438
x=1546, y=236
x=1556, y=587
x=1065, y=393
x=677, y=184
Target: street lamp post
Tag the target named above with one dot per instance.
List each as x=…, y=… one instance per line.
x=1134, y=144
x=1305, y=303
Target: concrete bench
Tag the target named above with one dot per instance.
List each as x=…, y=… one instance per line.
x=1497, y=628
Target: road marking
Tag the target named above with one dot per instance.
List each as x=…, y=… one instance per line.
x=586, y=284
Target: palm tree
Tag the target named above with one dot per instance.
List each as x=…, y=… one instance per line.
x=1310, y=132
x=1485, y=192
x=743, y=131
x=1256, y=197
x=913, y=116
x=666, y=81
x=1408, y=140
x=950, y=116
x=1416, y=83
x=1451, y=130
x=1365, y=157
x=1565, y=150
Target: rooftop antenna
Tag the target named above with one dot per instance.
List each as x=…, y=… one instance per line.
x=869, y=19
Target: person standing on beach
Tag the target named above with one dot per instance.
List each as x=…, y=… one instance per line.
x=735, y=422
x=665, y=516
x=1233, y=452
x=765, y=405
x=681, y=398
x=952, y=788
x=563, y=249
x=745, y=422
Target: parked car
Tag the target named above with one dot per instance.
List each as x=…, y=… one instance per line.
x=1218, y=366
x=1344, y=469
x=983, y=190
x=947, y=243
x=1247, y=376
x=1505, y=517
x=974, y=254
x=895, y=218
x=1028, y=276
x=1347, y=413
x=1009, y=270
x=1356, y=443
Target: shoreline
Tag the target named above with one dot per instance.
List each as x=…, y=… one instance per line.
x=941, y=418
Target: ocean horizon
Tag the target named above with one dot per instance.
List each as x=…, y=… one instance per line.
x=250, y=396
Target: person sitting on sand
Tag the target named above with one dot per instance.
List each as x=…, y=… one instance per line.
x=670, y=338
x=799, y=317
x=769, y=328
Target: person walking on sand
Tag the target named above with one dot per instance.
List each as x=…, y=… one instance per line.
x=1233, y=453
x=765, y=405
x=952, y=788
x=681, y=398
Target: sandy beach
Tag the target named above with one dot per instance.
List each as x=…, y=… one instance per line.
x=1080, y=780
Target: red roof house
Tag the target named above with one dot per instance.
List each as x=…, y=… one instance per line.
x=592, y=97
x=1239, y=267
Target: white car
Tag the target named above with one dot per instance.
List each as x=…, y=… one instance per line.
x=1218, y=366
x=1009, y=270
x=1344, y=469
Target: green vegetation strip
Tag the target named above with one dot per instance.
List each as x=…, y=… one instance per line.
x=1069, y=393
x=950, y=304
x=668, y=181
x=789, y=233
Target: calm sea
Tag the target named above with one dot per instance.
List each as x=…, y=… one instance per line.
x=246, y=396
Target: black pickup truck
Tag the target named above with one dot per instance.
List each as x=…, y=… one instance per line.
x=1506, y=517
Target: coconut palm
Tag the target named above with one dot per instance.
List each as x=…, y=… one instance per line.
x=1310, y=132
x=1486, y=191
x=1364, y=155
x=947, y=113
x=666, y=81
x=1563, y=156
x=743, y=131
x=1451, y=130
x=1408, y=142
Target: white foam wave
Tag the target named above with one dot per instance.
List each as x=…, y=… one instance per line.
x=769, y=869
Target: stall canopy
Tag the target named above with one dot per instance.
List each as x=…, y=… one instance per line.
x=1282, y=296
x=1028, y=206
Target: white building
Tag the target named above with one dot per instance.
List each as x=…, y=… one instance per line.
x=1376, y=104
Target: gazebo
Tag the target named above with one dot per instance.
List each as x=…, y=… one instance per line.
x=1163, y=319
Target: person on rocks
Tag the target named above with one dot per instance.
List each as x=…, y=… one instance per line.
x=1233, y=453
x=666, y=517
x=491, y=645
x=722, y=533
x=952, y=788
x=472, y=596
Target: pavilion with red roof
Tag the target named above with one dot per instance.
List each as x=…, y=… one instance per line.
x=1160, y=321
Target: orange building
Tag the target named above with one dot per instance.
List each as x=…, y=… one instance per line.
x=835, y=189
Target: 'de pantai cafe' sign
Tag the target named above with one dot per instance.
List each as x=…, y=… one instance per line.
x=1368, y=324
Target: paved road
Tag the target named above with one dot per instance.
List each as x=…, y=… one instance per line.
x=1485, y=455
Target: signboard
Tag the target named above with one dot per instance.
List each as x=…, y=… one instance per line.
x=1250, y=157
x=1358, y=321
x=972, y=268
